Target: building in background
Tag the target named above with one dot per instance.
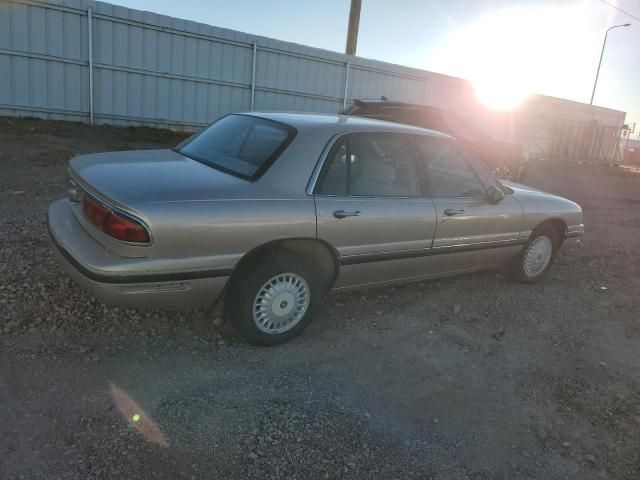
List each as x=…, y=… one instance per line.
x=82, y=60
x=631, y=150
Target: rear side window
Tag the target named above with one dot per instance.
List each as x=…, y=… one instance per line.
x=242, y=145
x=371, y=164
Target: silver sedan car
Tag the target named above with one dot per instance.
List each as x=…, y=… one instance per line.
x=272, y=210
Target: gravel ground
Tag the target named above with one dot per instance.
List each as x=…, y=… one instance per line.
x=464, y=378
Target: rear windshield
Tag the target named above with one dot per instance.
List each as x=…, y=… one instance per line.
x=242, y=145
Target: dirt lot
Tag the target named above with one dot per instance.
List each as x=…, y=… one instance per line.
x=536, y=382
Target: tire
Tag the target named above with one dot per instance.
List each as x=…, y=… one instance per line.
x=297, y=287
x=503, y=172
x=529, y=267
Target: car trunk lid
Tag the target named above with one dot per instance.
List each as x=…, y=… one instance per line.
x=136, y=178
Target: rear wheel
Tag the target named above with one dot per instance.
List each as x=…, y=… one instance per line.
x=534, y=261
x=272, y=300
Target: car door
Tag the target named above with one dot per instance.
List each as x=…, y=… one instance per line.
x=471, y=232
x=370, y=207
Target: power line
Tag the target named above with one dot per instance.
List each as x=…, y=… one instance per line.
x=620, y=10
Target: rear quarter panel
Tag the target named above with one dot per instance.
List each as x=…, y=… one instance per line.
x=218, y=233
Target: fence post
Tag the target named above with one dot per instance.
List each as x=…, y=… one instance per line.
x=346, y=84
x=90, y=40
x=253, y=75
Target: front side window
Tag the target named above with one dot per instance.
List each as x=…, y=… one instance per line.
x=371, y=164
x=448, y=172
x=239, y=144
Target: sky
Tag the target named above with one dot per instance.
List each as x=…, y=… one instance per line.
x=507, y=48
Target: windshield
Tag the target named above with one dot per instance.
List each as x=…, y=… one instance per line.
x=242, y=145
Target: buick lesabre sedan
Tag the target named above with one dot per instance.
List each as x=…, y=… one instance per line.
x=272, y=210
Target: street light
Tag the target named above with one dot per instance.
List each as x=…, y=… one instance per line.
x=601, y=54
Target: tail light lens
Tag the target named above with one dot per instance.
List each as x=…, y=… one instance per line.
x=113, y=223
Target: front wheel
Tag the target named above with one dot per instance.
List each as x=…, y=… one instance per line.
x=534, y=261
x=503, y=172
x=272, y=300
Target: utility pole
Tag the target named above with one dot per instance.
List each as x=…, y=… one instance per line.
x=354, y=23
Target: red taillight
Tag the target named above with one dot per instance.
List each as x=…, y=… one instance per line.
x=94, y=211
x=112, y=223
x=122, y=228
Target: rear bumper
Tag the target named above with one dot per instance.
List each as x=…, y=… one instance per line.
x=110, y=279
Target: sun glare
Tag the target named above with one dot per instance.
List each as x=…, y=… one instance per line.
x=499, y=95
x=515, y=52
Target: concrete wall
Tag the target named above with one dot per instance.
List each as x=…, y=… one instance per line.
x=141, y=68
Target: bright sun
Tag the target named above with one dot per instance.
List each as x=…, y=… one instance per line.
x=513, y=53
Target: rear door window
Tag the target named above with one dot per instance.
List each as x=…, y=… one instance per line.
x=371, y=164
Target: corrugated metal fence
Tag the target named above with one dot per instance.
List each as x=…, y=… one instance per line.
x=92, y=61
x=76, y=59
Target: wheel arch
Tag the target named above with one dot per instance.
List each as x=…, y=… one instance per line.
x=323, y=254
x=558, y=224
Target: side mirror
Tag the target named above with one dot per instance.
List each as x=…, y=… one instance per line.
x=495, y=195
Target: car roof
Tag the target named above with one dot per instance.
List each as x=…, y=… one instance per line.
x=334, y=123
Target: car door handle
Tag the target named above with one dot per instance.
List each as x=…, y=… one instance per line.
x=450, y=212
x=343, y=214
